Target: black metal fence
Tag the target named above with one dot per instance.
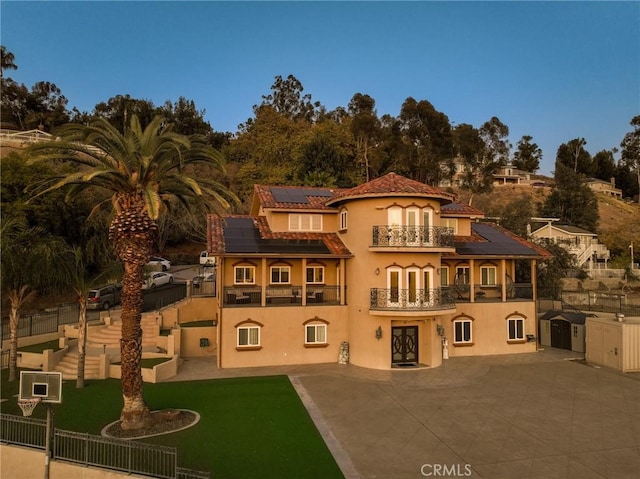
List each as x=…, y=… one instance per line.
x=80, y=448
x=594, y=301
x=42, y=322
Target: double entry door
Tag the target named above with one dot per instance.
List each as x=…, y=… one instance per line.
x=404, y=345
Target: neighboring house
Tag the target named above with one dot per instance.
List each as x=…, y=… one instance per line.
x=391, y=267
x=509, y=175
x=579, y=242
x=506, y=175
x=605, y=187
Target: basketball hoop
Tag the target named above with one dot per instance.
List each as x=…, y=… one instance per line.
x=28, y=405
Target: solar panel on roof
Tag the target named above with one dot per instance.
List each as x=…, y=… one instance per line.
x=241, y=236
x=297, y=195
x=497, y=243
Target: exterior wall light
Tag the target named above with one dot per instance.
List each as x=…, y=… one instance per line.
x=379, y=332
x=377, y=271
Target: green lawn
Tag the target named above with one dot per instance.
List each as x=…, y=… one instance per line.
x=249, y=427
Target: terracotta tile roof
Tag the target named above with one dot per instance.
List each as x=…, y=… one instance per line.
x=458, y=209
x=390, y=184
x=216, y=238
x=267, y=199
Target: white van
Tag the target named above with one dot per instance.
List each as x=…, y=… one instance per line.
x=207, y=260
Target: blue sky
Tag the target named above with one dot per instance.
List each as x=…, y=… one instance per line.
x=551, y=70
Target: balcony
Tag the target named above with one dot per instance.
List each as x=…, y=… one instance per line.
x=280, y=295
x=412, y=237
x=410, y=300
x=491, y=293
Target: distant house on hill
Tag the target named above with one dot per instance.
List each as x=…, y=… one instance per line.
x=506, y=175
x=605, y=187
x=579, y=242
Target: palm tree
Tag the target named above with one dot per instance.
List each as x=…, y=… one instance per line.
x=6, y=60
x=31, y=262
x=143, y=170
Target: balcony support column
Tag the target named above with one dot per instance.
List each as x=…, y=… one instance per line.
x=472, y=281
x=534, y=280
x=341, y=281
x=304, y=281
x=503, y=266
x=263, y=296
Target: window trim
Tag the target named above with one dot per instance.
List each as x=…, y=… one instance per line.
x=444, y=268
x=244, y=267
x=315, y=326
x=463, y=320
x=516, y=319
x=489, y=267
x=314, y=268
x=297, y=218
x=343, y=220
x=281, y=268
x=248, y=326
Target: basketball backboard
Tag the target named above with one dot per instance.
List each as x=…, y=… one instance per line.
x=37, y=384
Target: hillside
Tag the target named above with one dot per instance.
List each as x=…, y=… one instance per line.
x=619, y=221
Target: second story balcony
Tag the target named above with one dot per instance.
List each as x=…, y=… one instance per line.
x=412, y=236
x=410, y=300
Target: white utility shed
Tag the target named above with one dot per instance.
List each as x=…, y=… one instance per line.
x=614, y=343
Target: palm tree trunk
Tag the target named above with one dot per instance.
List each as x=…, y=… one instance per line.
x=13, y=342
x=82, y=341
x=135, y=413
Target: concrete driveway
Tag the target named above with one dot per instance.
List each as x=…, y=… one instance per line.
x=542, y=415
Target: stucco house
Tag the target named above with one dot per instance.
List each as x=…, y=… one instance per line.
x=393, y=268
x=605, y=187
x=582, y=244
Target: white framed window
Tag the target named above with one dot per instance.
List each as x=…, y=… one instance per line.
x=450, y=223
x=343, y=219
x=248, y=336
x=315, y=274
x=394, y=284
x=515, y=328
x=488, y=275
x=280, y=275
x=315, y=334
x=444, y=276
x=305, y=222
x=462, y=331
x=462, y=275
x=244, y=275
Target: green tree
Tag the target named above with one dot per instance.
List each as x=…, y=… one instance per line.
x=469, y=148
x=604, y=165
x=428, y=135
x=286, y=98
x=571, y=200
x=119, y=110
x=574, y=156
x=142, y=169
x=31, y=262
x=365, y=128
x=551, y=271
x=528, y=155
x=7, y=60
x=631, y=149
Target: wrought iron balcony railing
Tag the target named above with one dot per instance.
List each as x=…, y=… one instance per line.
x=411, y=299
x=412, y=236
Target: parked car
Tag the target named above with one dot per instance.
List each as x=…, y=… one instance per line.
x=156, y=261
x=203, y=278
x=104, y=297
x=158, y=279
x=206, y=259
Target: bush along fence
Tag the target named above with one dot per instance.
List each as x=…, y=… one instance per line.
x=127, y=456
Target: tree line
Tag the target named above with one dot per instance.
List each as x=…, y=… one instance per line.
x=292, y=139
